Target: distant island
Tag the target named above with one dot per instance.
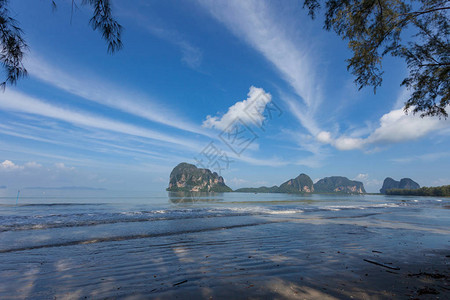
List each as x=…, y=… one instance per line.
x=187, y=177
x=303, y=184
x=403, y=184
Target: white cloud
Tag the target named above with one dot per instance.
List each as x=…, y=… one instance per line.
x=255, y=23
x=249, y=111
x=348, y=143
x=397, y=127
x=8, y=165
x=33, y=165
x=394, y=127
x=370, y=184
x=341, y=143
x=361, y=177
x=63, y=167
x=324, y=137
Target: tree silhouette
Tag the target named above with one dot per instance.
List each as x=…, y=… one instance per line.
x=375, y=28
x=13, y=45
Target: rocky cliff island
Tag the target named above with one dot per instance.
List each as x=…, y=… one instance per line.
x=339, y=184
x=403, y=184
x=303, y=184
x=188, y=178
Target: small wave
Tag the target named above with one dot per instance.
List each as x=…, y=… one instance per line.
x=263, y=211
x=40, y=222
x=131, y=237
x=341, y=207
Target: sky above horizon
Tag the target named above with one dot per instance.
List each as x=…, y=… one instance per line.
x=254, y=90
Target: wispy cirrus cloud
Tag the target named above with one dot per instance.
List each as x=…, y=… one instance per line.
x=190, y=54
x=255, y=23
x=19, y=102
x=427, y=157
x=108, y=94
x=14, y=101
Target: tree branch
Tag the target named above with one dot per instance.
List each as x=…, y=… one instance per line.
x=418, y=13
x=434, y=65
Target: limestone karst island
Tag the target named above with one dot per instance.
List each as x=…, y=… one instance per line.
x=188, y=178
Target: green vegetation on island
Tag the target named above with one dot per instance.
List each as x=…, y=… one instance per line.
x=262, y=189
x=339, y=184
x=303, y=184
x=443, y=191
x=188, y=178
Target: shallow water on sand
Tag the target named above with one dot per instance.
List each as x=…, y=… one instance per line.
x=222, y=245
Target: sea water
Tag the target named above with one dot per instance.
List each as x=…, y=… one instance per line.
x=51, y=220
x=103, y=244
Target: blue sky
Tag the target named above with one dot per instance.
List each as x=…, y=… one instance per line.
x=182, y=85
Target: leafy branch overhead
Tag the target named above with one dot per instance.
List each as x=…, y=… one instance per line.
x=375, y=28
x=13, y=45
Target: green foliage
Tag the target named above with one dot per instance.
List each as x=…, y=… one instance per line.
x=13, y=45
x=375, y=28
x=262, y=189
x=102, y=20
x=441, y=191
x=220, y=189
x=297, y=185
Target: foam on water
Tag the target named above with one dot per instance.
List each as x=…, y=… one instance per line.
x=97, y=216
